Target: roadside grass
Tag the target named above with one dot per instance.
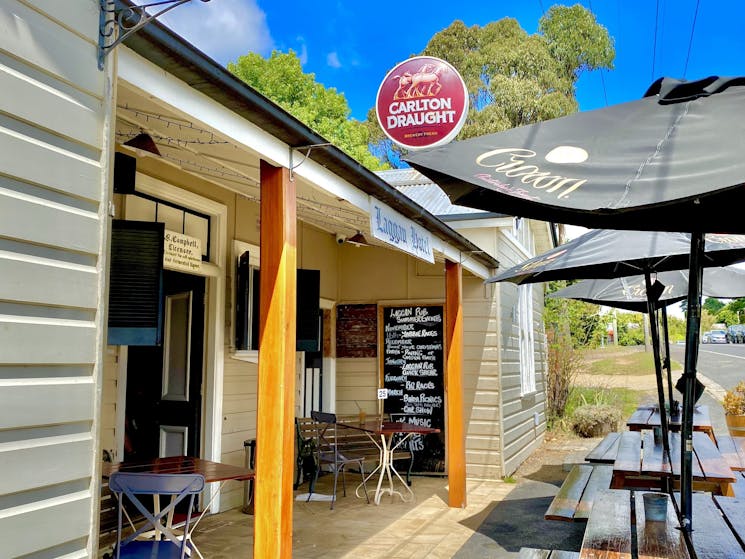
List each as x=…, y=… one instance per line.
x=622, y=361
x=625, y=399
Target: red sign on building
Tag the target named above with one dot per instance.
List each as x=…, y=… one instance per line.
x=422, y=103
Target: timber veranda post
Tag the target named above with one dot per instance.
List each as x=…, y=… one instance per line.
x=455, y=432
x=276, y=382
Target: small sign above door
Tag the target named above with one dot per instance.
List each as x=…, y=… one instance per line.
x=181, y=252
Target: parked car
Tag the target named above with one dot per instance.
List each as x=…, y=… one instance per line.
x=736, y=334
x=706, y=338
x=718, y=337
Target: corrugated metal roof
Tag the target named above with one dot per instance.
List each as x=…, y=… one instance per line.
x=429, y=195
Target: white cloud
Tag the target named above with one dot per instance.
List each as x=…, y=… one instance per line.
x=303, y=54
x=222, y=29
x=332, y=59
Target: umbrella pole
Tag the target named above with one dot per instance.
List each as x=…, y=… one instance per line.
x=666, y=363
x=693, y=325
x=655, y=334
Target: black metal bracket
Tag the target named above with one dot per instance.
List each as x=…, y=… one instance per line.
x=115, y=25
x=306, y=155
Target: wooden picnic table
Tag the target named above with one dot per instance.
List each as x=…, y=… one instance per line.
x=718, y=529
x=640, y=462
x=648, y=417
x=733, y=451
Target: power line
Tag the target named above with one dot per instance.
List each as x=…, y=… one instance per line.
x=654, y=44
x=690, y=42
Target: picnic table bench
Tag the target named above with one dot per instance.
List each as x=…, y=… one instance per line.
x=577, y=494
x=606, y=450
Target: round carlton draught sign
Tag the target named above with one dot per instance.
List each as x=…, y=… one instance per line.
x=422, y=103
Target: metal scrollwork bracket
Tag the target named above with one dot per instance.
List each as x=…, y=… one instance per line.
x=115, y=25
x=306, y=155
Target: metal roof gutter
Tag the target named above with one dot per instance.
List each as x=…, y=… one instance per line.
x=167, y=50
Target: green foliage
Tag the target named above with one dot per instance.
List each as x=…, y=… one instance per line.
x=281, y=78
x=578, y=319
x=596, y=420
x=713, y=305
x=727, y=316
x=575, y=40
x=630, y=328
x=514, y=78
x=676, y=328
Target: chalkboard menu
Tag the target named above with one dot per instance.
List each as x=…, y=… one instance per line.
x=412, y=365
x=357, y=330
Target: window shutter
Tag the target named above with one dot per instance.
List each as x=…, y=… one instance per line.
x=308, y=337
x=136, y=283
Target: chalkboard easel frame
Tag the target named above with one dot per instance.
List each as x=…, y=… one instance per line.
x=441, y=377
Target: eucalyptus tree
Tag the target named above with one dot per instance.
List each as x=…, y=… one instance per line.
x=513, y=77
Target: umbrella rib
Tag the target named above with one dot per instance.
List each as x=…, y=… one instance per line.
x=640, y=170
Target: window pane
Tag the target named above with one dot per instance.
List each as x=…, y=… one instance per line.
x=176, y=370
x=197, y=226
x=140, y=209
x=172, y=217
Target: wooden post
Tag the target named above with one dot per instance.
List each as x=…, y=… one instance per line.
x=276, y=384
x=455, y=433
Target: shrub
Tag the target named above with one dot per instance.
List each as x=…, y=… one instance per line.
x=564, y=362
x=734, y=400
x=595, y=420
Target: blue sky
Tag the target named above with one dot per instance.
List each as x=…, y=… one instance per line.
x=352, y=45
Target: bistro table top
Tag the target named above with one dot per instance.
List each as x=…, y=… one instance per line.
x=389, y=427
x=212, y=471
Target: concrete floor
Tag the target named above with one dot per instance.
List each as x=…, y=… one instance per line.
x=426, y=527
x=499, y=519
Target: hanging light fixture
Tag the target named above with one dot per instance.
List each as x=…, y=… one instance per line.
x=358, y=239
x=144, y=142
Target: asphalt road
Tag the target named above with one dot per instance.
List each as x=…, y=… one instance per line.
x=724, y=364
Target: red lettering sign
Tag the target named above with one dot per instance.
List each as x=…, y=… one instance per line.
x=422, y=103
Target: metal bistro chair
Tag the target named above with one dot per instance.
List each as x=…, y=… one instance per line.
x=180, y=487
x=329, y=454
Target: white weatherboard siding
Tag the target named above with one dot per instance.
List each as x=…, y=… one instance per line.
x=239, y=422
x=520, y=433
x=53, y=194
x=481, y=369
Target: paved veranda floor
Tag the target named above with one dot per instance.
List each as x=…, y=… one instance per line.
x=426, y=527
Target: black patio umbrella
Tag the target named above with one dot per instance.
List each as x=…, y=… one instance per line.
x=613, y=254
x=630, y=293
x=670, y=161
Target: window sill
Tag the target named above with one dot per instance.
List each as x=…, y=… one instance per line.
x=250, y=356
